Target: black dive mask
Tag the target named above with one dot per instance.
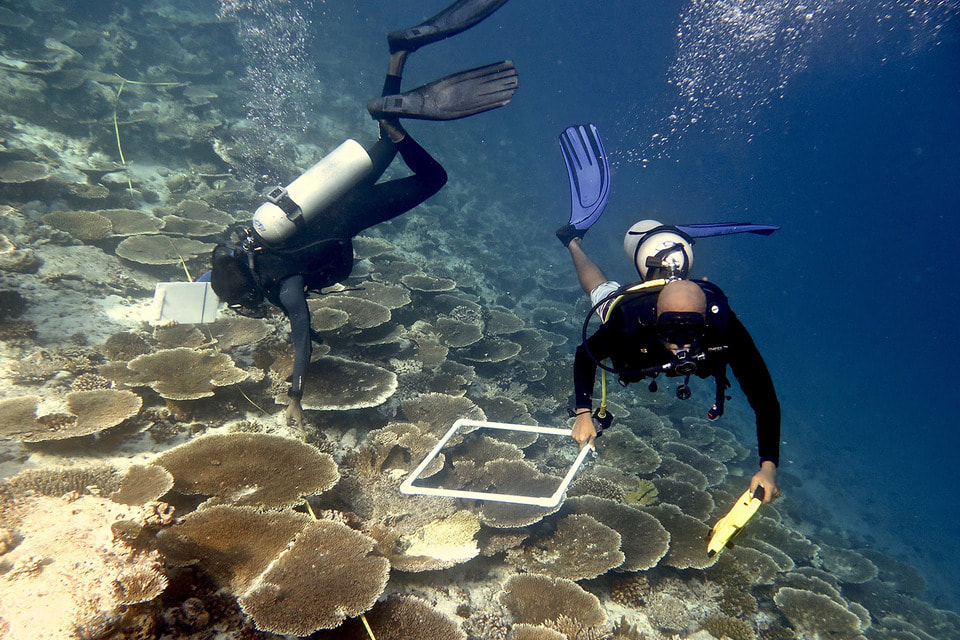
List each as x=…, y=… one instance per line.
x=683, y=329
x=233, y=280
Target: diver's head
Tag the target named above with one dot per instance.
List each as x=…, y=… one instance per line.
x=681, y=315
x=232, y=279
x=659, y=251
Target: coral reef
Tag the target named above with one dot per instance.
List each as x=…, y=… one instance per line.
x=68, y=570
x=644, y=541
x=581, y=548
x=255, y=469
x=536, y=599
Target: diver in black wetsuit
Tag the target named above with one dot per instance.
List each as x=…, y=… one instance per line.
x=301, y=240
x=675, y=326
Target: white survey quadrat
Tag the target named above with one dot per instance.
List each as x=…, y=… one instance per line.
x=409, y=488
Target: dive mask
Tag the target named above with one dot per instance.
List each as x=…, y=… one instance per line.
x=683, y=329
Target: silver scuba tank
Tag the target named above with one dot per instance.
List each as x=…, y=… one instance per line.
x=289, y=208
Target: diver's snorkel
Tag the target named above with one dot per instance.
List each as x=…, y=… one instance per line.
x=290, y=208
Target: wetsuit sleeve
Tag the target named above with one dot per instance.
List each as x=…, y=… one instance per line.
x=751, y=372
x=376, y=203
x=584, y=367
x=293, y=299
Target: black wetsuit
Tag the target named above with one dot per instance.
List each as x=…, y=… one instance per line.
x=322, y=254
x=630, y=340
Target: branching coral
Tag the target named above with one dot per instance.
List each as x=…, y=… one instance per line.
x=255, y=469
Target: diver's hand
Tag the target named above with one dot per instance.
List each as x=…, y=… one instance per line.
x=294, y=413
x=584, y=432
x=766, y=478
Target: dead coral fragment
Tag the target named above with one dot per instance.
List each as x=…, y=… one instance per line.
x=67, y=566
x=255, y=469
x=327, y=575
x=186, y=374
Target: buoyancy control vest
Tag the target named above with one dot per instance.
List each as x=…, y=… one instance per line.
x=636, y=303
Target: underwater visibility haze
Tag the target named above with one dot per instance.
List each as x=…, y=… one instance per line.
x=157, y=459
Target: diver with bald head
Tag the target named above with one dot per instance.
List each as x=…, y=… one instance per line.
x=671, y=325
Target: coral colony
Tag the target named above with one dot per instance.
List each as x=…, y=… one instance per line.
x=152, y=488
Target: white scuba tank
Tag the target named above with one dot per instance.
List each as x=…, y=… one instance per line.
x=295, y=205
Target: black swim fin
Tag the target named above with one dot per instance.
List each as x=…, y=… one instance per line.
x=456, y=96
x=456, y=18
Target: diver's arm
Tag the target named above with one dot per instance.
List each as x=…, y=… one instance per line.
x=293, y=299
x=584, y=374
x=751, y=372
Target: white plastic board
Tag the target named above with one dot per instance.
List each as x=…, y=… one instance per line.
x=409, y=488
x=184, y=303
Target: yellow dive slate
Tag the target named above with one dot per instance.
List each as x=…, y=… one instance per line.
x=730, y=525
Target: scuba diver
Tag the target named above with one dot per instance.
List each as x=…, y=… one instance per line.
x=300, y=240
x=666, y=323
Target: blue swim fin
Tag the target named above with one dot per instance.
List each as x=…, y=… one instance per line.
x=726, y=228
x=589, y=172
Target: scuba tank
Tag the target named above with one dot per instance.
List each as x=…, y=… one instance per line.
x=290, y=208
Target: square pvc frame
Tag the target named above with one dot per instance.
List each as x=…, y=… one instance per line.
x=408, y=487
